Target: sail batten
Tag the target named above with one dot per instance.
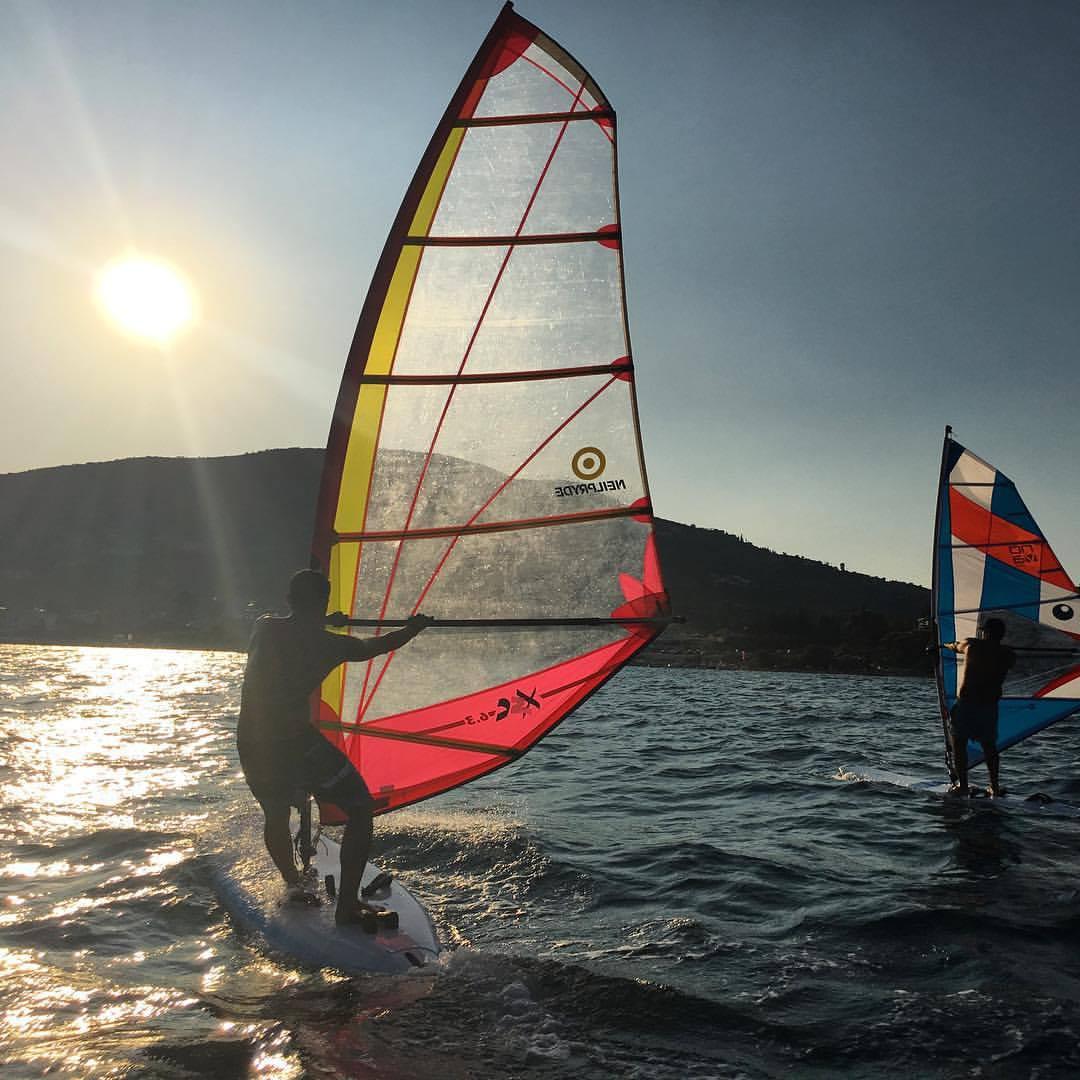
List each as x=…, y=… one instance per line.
x=991, y=559
x=485, y=462
x=597, y=116
x=499, y=376
x=599, y=236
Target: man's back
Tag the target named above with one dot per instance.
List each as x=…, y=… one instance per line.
x=287, y=660
x=986, y=663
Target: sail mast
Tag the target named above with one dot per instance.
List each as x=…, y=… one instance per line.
x=344, y=410
x=941, y=517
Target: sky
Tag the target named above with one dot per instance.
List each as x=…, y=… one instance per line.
x=845, y=223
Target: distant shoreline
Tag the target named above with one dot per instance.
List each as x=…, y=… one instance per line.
x=669, y=659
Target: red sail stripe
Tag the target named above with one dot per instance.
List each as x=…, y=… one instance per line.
x=1004, y=541
x=1061, y=680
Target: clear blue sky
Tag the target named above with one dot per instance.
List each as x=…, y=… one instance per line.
x=846, y=223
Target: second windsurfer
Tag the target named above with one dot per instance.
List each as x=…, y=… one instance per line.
x=974, y=717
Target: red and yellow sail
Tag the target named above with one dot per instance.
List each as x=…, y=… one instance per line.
x=484, y=460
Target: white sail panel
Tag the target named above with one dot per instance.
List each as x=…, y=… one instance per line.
x=534, y=76
x=555, y=306
x=576, y=195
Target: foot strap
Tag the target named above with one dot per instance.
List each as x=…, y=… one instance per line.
x=370, y=918
x=379, y=883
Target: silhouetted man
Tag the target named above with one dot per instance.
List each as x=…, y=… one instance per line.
x=283, y=756
x=975, y=715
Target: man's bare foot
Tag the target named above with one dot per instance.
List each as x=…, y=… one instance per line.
x=995, y=792
x=960, y=791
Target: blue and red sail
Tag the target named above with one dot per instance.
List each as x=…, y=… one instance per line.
x=991, y=559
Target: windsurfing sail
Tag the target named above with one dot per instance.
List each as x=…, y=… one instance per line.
x=484, y=459
x=991, y=559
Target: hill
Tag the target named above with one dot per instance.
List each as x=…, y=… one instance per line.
x=185, y=551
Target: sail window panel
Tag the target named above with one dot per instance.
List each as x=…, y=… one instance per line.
x=553, y=306
x=445, y=665
x=499, y=170
x=523, y=89
x=535, y=83
x=492, y=575
x=510, y=714
x=453, y=287
x=490, y=432
x=495, y=575
x=493, y=179
x=578, y=191
x=555, y=68
x=447, y=493
x=591, y=464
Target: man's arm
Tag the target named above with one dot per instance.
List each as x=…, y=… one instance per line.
x=955, y=646
x=366, y=648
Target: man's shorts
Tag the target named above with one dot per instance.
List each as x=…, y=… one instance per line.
x=287, y=772
x=975, y=721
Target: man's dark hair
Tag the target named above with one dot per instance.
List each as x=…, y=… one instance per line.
x=308, y=592
x=994, y=629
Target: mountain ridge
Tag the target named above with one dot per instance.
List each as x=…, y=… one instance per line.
x=161, y=550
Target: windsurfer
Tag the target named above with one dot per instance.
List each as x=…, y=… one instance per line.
x=283, y=757
x=975, y=715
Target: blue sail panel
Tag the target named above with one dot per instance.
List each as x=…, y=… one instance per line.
x=1009, y=589
x=1019, y=718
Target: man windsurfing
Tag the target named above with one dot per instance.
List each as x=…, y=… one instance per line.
x=974, y=717
x=283, y=756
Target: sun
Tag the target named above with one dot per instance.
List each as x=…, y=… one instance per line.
x=146, y=298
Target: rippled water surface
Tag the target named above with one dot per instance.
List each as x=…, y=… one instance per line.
x=674, y=884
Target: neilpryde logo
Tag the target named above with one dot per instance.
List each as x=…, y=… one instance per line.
x=588, y=464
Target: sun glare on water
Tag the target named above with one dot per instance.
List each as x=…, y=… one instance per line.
x=146, y=298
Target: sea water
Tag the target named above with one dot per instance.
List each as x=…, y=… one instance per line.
x=675, y=884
